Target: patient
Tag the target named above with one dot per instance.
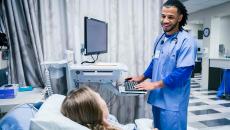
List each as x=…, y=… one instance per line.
x=87, y=108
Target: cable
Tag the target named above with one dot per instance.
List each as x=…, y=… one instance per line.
x=94, y=60
x=48, y=87
x=92, y=57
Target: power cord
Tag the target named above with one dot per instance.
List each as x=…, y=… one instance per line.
x=94, y=60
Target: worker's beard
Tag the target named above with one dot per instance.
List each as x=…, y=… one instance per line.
x=170, y=28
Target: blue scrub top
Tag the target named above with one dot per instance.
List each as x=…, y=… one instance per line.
x=177, y=51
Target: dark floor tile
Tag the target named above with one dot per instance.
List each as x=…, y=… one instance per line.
x=194, y=83
x=197, y=104
x=216, y=98
x=211, y=93
x=216, y=122
x=225, y=104
x=201, y=90
x=195, y=86
x=203, y=112
x=193, y=98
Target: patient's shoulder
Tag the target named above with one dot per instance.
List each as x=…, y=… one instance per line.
x=114, y=122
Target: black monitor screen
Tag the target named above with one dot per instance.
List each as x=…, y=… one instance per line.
x=95, y=36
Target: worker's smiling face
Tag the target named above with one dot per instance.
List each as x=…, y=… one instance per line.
x=170, y=19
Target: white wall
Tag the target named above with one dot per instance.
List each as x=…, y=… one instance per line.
x=193, y=30
x=224, y=37
x=214, y=37
x=212, y=18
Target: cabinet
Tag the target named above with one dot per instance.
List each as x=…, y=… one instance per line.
x=216, y=66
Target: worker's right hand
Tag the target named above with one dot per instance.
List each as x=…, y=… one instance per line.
x=136, y=78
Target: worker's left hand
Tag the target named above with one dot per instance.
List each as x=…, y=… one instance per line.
x=149, y=85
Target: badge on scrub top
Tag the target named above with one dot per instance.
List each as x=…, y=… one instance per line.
x=157, y=54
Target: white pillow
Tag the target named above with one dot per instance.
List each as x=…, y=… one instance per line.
x=144, y=124
x=49, y=116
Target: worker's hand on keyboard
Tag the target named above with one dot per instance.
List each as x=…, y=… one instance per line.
x=135, y=79
x=149, y=85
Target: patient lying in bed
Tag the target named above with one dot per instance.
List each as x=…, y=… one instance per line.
x=56, y=113
x=87, y=108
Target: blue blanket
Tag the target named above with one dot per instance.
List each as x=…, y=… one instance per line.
x=18, y=118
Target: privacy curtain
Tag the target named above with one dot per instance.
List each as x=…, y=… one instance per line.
x=132, y=27
x=21, y=23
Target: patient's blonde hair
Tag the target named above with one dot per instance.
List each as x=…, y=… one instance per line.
x=82, y=107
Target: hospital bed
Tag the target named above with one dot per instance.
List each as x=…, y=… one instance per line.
x=49, y=117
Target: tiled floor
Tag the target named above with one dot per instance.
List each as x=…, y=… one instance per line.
x=206, y=111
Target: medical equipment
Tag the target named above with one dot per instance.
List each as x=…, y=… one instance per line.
x=52, y=69
x=96, y=38
x=97, y=73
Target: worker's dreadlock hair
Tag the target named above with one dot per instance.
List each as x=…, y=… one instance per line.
x=181, y=9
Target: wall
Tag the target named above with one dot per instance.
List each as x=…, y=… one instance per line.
x=193, y=30
x=224, y=37
x=211, y=18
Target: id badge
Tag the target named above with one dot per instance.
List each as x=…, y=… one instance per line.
x=157, y=54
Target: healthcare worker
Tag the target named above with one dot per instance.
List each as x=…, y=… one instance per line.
x=170, y=70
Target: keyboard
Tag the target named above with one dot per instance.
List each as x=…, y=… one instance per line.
x=130, y=86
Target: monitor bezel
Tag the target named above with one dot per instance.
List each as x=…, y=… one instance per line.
x=85, y=36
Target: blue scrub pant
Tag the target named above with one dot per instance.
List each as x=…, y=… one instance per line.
x=169, y=120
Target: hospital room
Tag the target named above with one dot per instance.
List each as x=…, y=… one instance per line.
x=114, y=65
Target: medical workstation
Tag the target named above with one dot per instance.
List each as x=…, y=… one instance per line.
x=52, y=48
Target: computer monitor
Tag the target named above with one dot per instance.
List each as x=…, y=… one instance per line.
x=96, y=36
